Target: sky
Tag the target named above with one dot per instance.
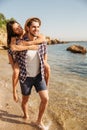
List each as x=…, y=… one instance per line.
x=61, y=19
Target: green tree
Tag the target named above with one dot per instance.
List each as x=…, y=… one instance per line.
x=2, y=20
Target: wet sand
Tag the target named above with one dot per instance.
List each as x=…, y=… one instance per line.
x=66, y=111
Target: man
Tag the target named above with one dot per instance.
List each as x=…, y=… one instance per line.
x=31, y=64
x=15, y=37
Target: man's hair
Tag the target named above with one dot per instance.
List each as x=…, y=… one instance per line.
x=29, y=22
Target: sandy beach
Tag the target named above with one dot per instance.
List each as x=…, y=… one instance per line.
x=64, y=111
x=10, y=111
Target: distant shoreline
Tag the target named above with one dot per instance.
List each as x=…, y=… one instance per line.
x=50, y=41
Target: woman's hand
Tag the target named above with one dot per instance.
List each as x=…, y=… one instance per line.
x=15, y=96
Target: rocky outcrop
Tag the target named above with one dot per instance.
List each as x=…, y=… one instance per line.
x=3, y=37
x=77, y=49
x=54, y=41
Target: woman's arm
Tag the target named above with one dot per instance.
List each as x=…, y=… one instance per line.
x=41, y=38
x=20, y=47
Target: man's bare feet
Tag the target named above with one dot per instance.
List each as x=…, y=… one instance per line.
x=39, y=125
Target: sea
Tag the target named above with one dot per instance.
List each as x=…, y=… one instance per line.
x=68, y=86
x=63, y=61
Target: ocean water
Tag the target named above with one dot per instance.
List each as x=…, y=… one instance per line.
x=68, y=86
x=70, y=63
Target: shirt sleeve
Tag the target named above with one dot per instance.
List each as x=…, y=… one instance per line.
x=45, y=48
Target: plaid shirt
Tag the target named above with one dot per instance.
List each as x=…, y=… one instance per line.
x=21, y=56
x=13, y=53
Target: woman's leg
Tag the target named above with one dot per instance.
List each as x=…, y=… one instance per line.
x=47, y=73
x=15, y=81
x=14, y=76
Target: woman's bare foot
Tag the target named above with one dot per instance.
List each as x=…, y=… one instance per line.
x=26, y=117
x=15, y=96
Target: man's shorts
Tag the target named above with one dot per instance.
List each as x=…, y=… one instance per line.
x=37, y=82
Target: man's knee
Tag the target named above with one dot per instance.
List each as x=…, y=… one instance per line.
x=25, y=99
x=45, y=99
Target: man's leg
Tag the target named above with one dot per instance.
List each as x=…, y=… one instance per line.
x=26, y=91
x=25, y=106
x=43, y=104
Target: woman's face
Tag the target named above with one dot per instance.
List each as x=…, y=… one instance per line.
x=17, y=29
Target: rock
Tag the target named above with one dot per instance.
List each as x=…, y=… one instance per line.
x=3, y=37
x=77, y=49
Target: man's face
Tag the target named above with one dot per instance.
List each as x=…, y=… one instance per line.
x=34, y=29
x=17, y=29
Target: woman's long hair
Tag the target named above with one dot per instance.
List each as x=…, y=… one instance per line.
x=10, y=32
